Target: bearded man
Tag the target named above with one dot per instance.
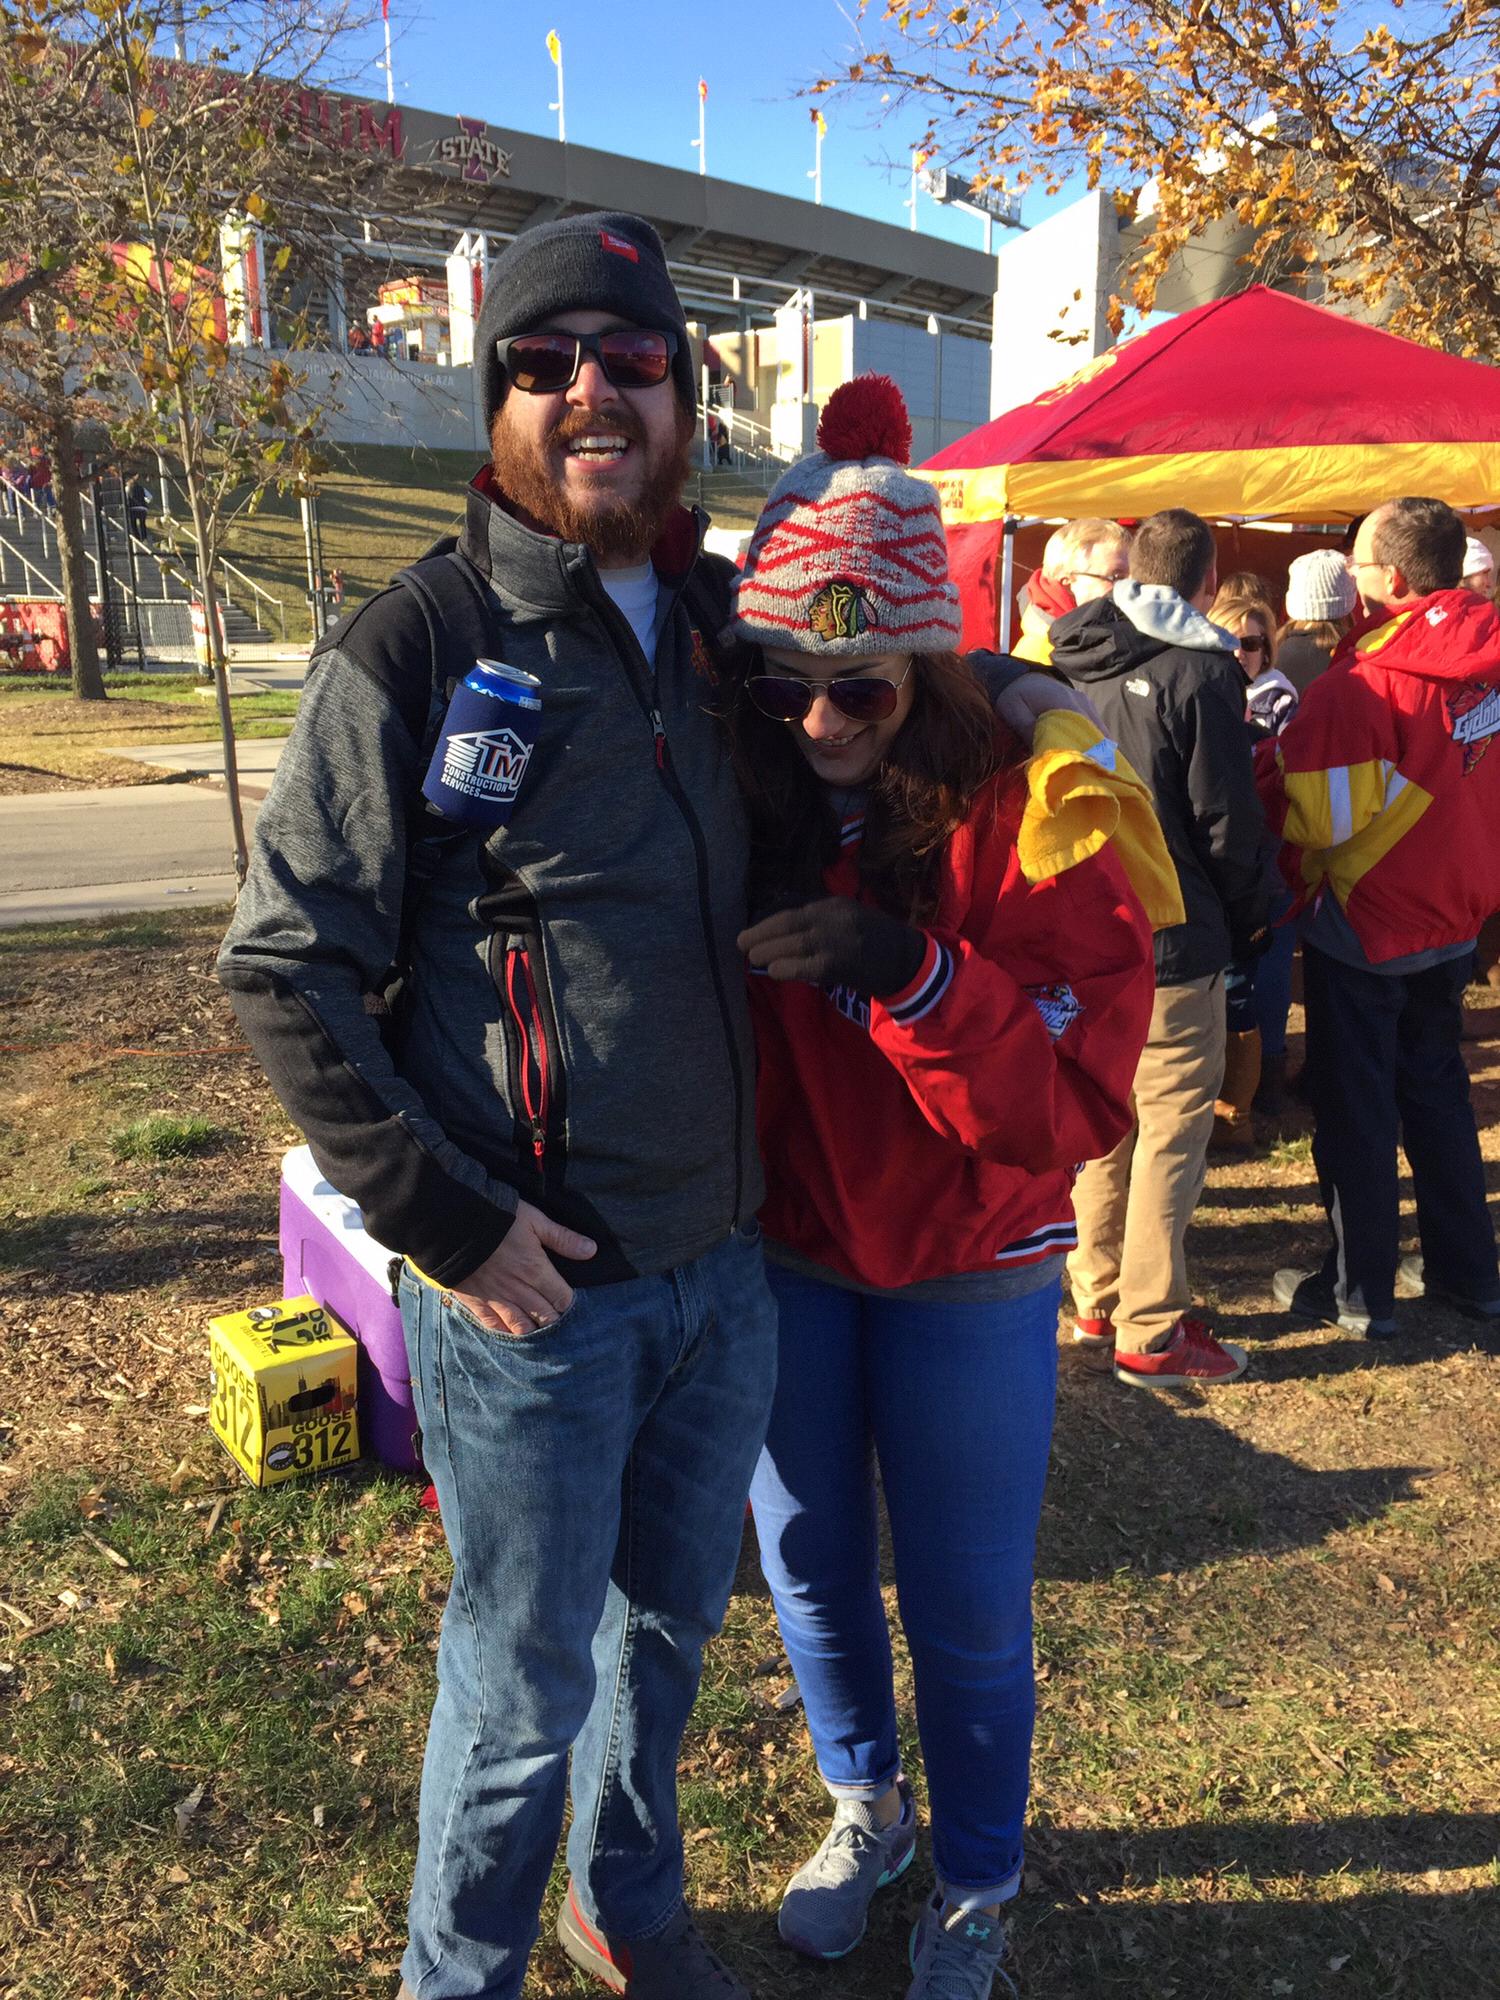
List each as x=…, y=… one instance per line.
x=550, y=1113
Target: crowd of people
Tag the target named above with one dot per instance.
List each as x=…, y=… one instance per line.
x=1322, y=783
x=723, y=1071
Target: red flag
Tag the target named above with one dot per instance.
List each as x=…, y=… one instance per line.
x=385, y=10
x=703, y=90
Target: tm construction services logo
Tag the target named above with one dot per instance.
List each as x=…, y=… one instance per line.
x=486, y=764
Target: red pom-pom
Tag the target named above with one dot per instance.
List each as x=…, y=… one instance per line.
x=866, y=418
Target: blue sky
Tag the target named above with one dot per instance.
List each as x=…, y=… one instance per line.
x=632, y=87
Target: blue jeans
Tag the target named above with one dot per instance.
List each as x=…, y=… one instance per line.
x=592, y=1478
x=955, y=1403
x=1273, y=981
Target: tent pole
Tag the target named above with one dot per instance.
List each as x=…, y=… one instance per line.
x=1007, y=578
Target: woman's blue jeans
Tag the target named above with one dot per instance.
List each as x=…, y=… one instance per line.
x=954, y=1403
x=592, y=1478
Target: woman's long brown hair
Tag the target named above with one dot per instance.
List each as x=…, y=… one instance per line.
x=948, y=747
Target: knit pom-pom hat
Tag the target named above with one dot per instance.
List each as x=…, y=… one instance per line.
x=849, y=557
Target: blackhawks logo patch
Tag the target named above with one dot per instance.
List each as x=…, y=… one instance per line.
x=1473, y=719
x=840, y=611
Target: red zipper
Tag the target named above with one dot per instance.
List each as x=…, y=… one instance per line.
x=534, y=1049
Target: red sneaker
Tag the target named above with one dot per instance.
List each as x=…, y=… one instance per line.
x=1089, y=1332
x=1191, y=1355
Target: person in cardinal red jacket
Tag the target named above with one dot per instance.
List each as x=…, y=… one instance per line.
x=941, y=1042
x=1386, y=790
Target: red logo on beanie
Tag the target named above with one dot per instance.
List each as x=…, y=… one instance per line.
x=618, y=246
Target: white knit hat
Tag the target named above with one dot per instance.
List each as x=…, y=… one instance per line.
x=1319, y=587
x=1477, y=556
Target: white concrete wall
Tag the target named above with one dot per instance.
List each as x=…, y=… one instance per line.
x=370, y=400
x=927, y=366
x=1042, y=332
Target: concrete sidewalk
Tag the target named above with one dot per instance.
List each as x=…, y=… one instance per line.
x=66, y=855
x=257, y=760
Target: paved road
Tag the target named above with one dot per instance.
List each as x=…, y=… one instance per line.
x=139, y=847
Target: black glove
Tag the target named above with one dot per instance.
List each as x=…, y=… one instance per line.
x=837, y=942
x=1247, y=946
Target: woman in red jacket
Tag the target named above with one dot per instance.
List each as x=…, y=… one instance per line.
x=941, y=1044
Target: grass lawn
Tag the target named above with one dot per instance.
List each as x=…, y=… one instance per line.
x=1266, y=1616
x=381, y=507
x=51, y=743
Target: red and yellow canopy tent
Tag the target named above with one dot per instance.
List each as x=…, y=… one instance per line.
x=1256, y=408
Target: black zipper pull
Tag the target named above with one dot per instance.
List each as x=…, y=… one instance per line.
x=661, y=739
x=538, y=1139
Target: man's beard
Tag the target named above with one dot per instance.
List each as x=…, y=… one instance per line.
x=617, y=531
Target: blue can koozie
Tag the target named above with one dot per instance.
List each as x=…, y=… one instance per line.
x=488, y=736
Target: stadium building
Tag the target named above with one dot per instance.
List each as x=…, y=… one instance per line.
x=786, y=297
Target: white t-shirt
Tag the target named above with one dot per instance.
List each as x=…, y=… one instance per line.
x=634, y=591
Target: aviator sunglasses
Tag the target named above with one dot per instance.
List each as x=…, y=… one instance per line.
x=632, y=358
x=862, y=697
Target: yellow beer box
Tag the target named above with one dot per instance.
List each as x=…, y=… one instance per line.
x=284, y=1388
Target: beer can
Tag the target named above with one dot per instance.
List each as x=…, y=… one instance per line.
x=488, y=736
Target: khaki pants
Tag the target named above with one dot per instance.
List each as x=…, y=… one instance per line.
x=1134, y=1206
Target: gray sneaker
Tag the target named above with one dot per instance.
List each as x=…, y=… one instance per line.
x=676, y=1964
x=960, y=1959
x=1412, y=1283
x=1306, y=1297
x=823, y=1911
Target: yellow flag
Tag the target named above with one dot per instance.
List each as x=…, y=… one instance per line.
x=821, y=123
x=554, y=47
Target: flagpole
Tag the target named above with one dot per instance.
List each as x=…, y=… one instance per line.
x=702, y=139
x=390, y=74
x=915, y=158
x=554, y=49
x=817, y=172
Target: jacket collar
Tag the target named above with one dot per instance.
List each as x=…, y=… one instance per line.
x=1450, y=635
x=1157, y=612
x=533, y=571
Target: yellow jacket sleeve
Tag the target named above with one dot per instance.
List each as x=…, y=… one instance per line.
x=1082, y=793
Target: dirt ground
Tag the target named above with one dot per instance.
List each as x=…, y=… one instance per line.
x=1266, y=1615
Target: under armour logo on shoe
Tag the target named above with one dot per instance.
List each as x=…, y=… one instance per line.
x=979, y=1931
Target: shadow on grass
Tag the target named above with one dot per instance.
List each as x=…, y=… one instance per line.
x=1257, y=1194
x=1256, y=1907
x=169, y=1243
x=1081, y=1864
x=1142, y=1486
x=1171, y=1492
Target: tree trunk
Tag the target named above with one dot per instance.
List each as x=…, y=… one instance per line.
x=208, y=590
x=83, y=648
x=62, y=448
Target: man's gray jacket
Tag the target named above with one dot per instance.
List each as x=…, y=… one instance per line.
x=572, y=1029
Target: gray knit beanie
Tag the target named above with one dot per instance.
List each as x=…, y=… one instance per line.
x=1319, y=587
x=600, y=262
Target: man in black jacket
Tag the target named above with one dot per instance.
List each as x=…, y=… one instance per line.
x=1168, y=688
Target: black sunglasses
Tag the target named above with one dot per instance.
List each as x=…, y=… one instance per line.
x=631, y=357
x=1252, y=642
x=789, y=698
